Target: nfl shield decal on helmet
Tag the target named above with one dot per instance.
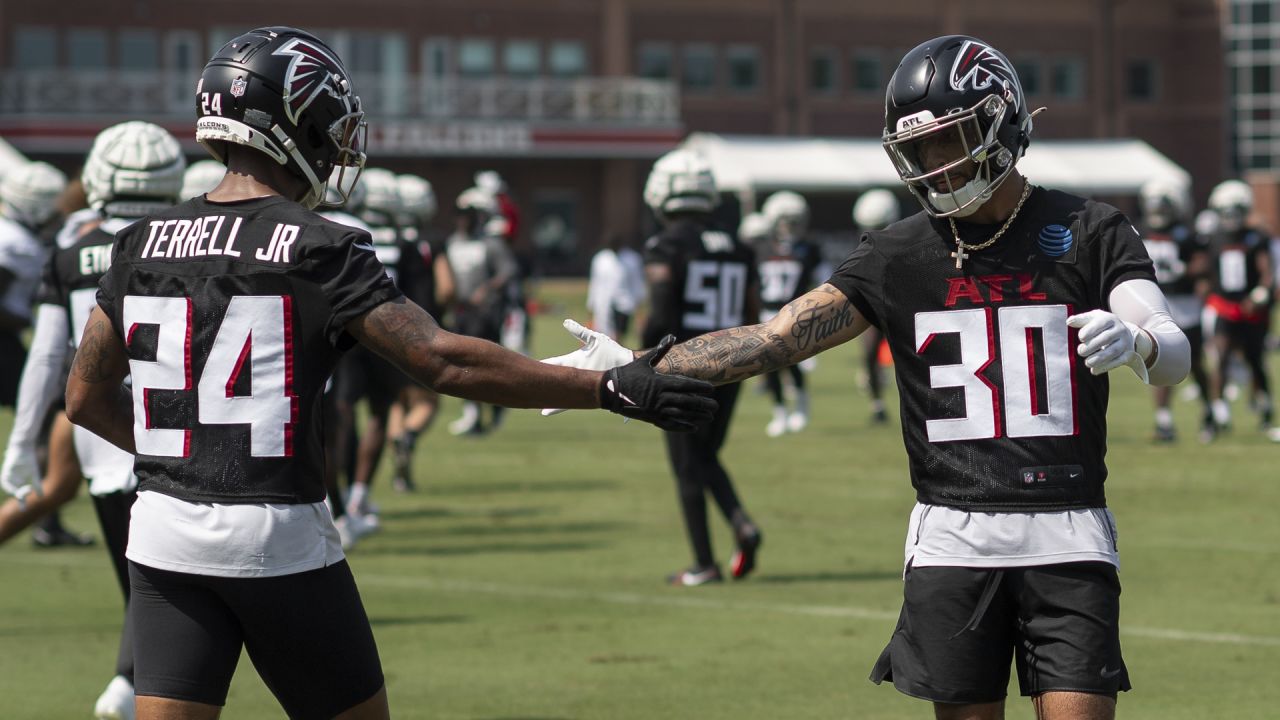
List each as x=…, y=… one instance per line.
x=1055, y=240
x=312, y=70
x=978, y=67
x=237, y=87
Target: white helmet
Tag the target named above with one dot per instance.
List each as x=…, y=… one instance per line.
x=681, y=181
x=201, y=177
x=788, y=211
x=1164, y=202
x=1232, y=200
x=754, y=228
x=491, y=182
x=480, y=200
x=417, y=197
x=133, y=169
x=875, y=210
x=29, y=193
x=1207, y=222
x=345, y=185
x=382, y=191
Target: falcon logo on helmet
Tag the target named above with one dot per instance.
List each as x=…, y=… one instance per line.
x=977, y=66
x=311, y=72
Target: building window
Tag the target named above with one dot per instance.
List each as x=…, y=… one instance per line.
x=521, y=58
x=138, y=50
x=1260, y=79
x=744, y=67
x=475, y=57
x=35, y=48
x=699, y=71
x=653, y=61
x=568, y=58
x=1260, y=13
x=865, y=73
x=822, y=71
x=87, y=48
x=1066, y=79
x=1029, y=75
x=435, y=58
x=1140, y=80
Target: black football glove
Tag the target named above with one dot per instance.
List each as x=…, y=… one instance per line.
x=672, y=402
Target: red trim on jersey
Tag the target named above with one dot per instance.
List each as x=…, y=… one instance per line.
x=1233, y=311
x=924, y=345
x=1073, y=339
x=235, y=371
x=991, y=357
x=1031, y=370
x=186, y=369
x=288, y=374
x=128, y=337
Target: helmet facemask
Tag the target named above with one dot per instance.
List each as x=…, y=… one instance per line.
x=953, y=164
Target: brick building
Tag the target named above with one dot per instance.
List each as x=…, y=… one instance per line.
x=571, y=100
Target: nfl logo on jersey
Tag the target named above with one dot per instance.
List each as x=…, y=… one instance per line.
x=237, y=87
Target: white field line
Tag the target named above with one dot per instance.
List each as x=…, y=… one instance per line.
x=705, y=603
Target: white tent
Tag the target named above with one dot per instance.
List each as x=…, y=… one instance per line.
x=747, y=164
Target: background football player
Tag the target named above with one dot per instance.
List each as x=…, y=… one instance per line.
x=875, y=210
x=133, y=169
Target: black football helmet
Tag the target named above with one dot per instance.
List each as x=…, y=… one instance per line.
x=283, y=92
x=955, y=123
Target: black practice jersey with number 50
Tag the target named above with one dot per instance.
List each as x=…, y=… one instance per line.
x=233, y=316
x=711, y=274
x=998, y=412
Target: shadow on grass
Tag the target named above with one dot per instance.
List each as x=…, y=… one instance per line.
x=428, y=513
x=783, y=579
x=506, y=486
x=482, y=549
x=418, y=620
x=492, y=530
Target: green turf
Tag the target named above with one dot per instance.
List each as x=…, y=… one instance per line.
x=524, y=579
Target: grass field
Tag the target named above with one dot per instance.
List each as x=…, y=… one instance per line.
x=524, y=579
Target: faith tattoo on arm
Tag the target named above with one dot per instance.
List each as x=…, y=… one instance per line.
x=816, y=321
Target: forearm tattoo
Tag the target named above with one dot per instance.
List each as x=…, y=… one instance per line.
x=90, y=361
x=815, y=322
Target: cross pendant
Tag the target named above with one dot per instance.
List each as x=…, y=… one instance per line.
x=960, y=255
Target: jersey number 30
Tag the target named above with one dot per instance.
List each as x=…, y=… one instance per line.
x=1029, y=409
x=256, y=329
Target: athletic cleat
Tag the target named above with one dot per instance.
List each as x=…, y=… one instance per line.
x=744, y=558
x=696, y=576
x=879, y=417
x=61, y=537
x=116, y=702
x=797, y=421
x=1274, y=434
x=777, y=427
x=1164, y=435
x=352, y=527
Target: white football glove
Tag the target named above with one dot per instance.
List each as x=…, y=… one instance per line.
x=20, y=473
x=598, y=352
x=1107, y=342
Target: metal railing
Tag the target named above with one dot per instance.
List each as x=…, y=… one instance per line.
x=134, y=94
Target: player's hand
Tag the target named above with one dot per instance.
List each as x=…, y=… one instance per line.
x=20, y=473
x=672, y=402
x=1107, y=342
x=598, y=352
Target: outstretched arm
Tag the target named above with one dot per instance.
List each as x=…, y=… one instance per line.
x=818, y=320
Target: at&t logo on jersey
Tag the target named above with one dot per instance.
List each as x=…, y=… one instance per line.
x=1055, y=240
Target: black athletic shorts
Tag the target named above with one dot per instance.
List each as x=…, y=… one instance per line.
x=1249, y=337
x=959, y=627
x=307, y=634
x=362, y=373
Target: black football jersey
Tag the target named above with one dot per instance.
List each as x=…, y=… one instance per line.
x=1234, y=262
x=711, y=274
x=998, y=411
x=1172, y=251
x=72, y=273
x=233, y=316
x=396, y=253
x=787, y=272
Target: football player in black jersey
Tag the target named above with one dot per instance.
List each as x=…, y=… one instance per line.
x=1005, y=306
x=787, y=269
x=1241, y=288
x=700, y=278
x=1180, y=259
x=229, y=312
x=133, y=169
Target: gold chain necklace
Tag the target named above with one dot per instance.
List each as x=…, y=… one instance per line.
x=960, y=255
